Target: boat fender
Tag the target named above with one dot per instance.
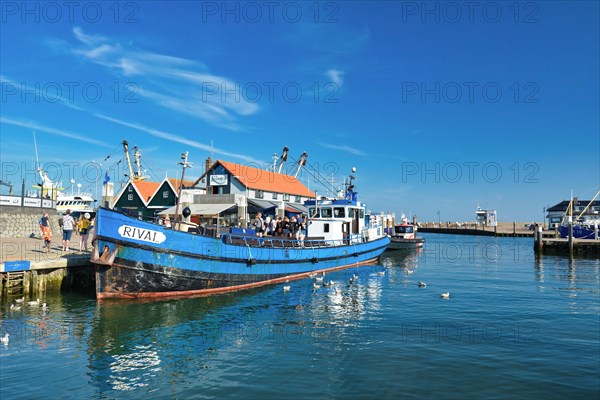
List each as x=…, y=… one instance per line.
x=315, y=260
x=251, y=261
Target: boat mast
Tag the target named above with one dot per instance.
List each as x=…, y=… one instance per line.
x=301, y=163
x=185, y=164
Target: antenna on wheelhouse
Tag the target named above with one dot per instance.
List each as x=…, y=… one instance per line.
x=350, y=193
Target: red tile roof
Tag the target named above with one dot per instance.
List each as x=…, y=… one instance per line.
x=175, y=183
x=260, y=179
x=146, y=189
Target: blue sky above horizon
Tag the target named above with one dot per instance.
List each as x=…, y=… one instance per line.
x=439, y=106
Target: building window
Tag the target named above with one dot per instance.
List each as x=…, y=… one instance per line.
x=274, y=196
x=259, y=194
x=130, y=189
x=338, y=212
x=326, y=228
x=298, y=199
x=286, y=197
x=166, y=194
x=129, y=197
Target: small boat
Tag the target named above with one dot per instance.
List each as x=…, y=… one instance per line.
x=404, y=236
x=139, y=259
x=579, y=231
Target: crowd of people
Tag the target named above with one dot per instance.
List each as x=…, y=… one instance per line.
x=292, y=228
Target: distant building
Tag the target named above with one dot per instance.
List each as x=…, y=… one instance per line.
x=486, y=217
x=583, y=212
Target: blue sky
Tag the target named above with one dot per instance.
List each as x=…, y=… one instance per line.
x=440, y=106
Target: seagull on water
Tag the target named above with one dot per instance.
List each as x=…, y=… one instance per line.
x=316, y=286
x=285, y=289
x=422, y=284
x=445, y=295
x=34, y=302
x=22, y=299
x=4, y=339
x=381, y=273
x=311, y=276
x=319, y=279
x=409, y=271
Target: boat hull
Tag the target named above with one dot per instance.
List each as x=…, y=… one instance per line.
x=579, y=232
x=184, y=264
x=400, y=244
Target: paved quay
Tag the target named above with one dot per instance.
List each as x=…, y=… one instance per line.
x=31, y=249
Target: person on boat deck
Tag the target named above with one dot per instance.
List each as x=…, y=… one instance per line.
x=278, y=226
x=300, y=235
x=167, y=222
x=68, y=223
x=293, y=228
x=286, y=226
x=273, y=226
x=258, y=224
x=267, y=228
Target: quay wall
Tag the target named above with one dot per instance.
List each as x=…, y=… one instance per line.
x=20, y=222
x=38, y=282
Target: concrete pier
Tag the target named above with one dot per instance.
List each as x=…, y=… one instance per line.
x=44, y=272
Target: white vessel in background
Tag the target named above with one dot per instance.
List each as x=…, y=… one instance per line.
x=78, y=203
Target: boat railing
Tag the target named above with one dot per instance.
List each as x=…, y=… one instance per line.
x=277, y=242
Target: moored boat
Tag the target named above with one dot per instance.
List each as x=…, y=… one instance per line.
x=136, y=258
x=404, y=236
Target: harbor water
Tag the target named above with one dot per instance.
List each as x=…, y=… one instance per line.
x=513, y=326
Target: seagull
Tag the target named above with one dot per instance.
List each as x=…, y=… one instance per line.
x=44, y=306
x=34, y=302
x=409, y=271
x=422, y=284
x=4, y=339
x=319, y=279
x=352, y=280
x=354, y=276
x=331, y=283
x=285, y=289
x=22, y=299
x=311, y=276
x=338, y=290
x=316, y=286
x=325, y=284
x=445, y=295
x=381, y=273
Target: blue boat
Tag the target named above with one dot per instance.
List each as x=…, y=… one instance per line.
x=139, y=259
x=579, y=232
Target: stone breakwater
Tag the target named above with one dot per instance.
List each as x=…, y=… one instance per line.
x=20, y=222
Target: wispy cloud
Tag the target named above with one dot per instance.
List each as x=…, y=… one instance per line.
x=345, y=148
x=21, y=87
x=177, y=139
x=336, y=76
x=59, y=132
x=179, y=84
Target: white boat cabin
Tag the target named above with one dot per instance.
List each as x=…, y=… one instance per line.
x=343, y=221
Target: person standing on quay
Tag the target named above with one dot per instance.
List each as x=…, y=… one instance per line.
x=46, y=232
x=83, y=227
x=67, y=226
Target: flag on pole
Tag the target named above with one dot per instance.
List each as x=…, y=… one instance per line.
x=106, y=178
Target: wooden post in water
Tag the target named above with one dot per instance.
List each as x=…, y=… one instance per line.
x=514, y=228
x=538, y=239
x=596, y=231
x=570, y=239
x=496, y=230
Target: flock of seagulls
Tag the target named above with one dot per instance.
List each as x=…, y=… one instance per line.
x=18, y=304
x=321, y=282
